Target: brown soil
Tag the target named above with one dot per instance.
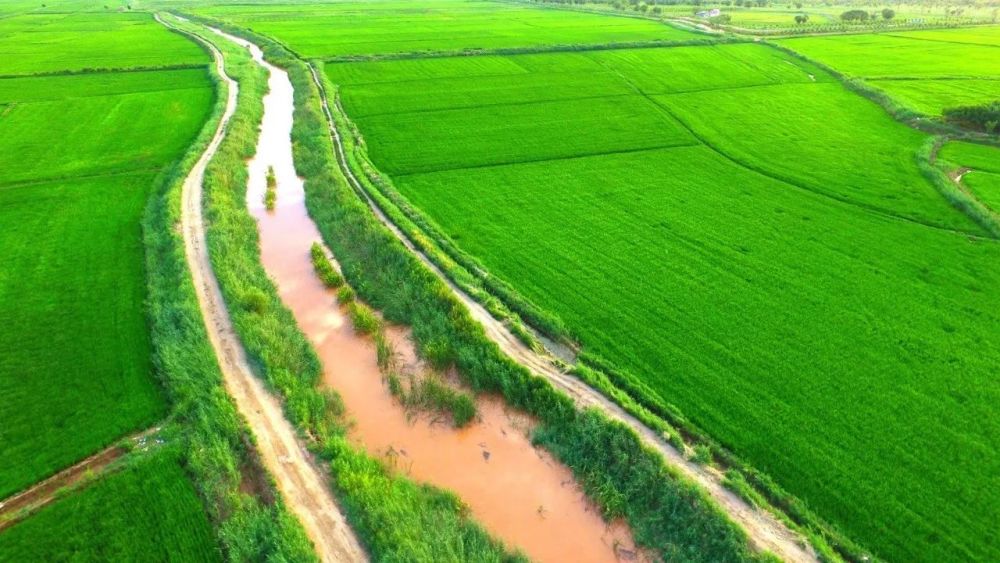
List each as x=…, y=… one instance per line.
x=766, y=533
x=302, y=484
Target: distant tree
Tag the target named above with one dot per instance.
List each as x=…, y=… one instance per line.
x=888, y=14
x=801, y=19
x=657, y=10
x=854, y=16
x=644, y=8
x=798, y=5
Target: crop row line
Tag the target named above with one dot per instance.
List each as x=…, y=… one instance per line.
x=105, y=70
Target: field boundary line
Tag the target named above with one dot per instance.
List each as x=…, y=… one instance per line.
x=794, y=183
x=503, y=51
x=764, y=530
x=19, y=506
x=553, y=159
x=299, y=479
x=106, y=70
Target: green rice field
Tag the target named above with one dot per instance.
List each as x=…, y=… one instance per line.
x=927, y=70
x=785, y=281
x=80, y=155
x=66, y=42
x=372, y=28
x=147, y=511
x=983, y=164
x=762, y=250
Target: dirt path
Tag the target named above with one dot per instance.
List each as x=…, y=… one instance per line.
x=764, y=530
x=14, y=507
x=302, y=484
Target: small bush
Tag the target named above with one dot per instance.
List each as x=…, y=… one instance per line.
x=345, y=295
x=271, y=193
x=324, y=269
x=439, y=353
x=702, y=455
x=364, y=319
x=255, y=301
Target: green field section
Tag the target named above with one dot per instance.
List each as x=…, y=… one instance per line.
x=59, y=42
x=988, y=35
x=147, y=511
x=926, y=70
x=929, y=96
x=75, y=371
x=983, y=176
x=369, y=28
x=775, y=264
x=972, y=155
x=826, y=139
x=39, y=147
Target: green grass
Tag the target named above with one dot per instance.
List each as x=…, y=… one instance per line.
x=972, y=155
x=984, y=178
x=790, y=280
x=74, y=359
x=929, y=96
x=370, y=28
x=62, y=87
x=99, y=135
x=146, y=511
x=822, y=138
x=943, y=68
x=75, y=366
x=33, y=43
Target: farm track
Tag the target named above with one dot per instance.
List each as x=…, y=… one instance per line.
x=13, y=508
x=301, y=481
x=763, y=529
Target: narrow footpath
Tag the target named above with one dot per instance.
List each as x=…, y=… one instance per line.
x=301, y=482
x=14, y=508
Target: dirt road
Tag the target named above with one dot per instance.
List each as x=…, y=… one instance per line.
x=763, y=529
x=301, y=482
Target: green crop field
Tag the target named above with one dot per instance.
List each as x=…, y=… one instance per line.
x=983, y=164
x=927, y=70
x=795, y=274
x=369, y=28
x=80, y=154
x=761, y=249
x=147, y=511
x=37, y=43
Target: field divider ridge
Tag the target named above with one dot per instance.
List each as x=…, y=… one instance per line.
x=18, y=506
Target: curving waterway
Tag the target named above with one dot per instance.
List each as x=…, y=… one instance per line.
x=519, y=493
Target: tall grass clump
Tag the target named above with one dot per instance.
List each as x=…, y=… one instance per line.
x=324, y=269
x=271, y=189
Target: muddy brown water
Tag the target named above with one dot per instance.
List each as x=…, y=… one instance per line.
x=519, y=493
